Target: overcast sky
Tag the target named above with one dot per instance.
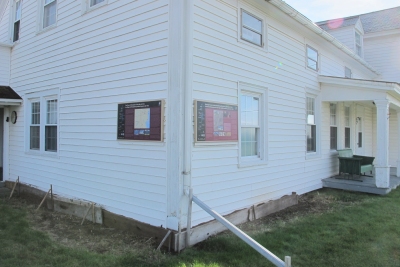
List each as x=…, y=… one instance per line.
x=318, y=10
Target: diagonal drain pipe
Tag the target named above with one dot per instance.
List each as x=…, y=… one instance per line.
x=239, y=233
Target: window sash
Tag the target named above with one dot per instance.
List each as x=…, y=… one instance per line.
x=49, y=13
x=333, y=133
x=312, y=58
x=333, y=121
x=250, y=125
x=347, y=136
x=311, y=138
x=252, y=28
x=347, y=116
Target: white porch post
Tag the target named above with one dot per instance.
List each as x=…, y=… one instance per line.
x=382, y=168
x=398, y=144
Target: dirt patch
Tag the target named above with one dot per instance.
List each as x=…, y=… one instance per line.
x=68, y=231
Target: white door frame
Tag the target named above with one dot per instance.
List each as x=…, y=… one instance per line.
x=6, y=140
x=359, y=127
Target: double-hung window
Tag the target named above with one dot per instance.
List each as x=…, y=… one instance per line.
x=311, y=125
x=358, y=44
x=49, y=13
x=312, y=58
x=43, y=124
x=252, y=28
x=333, y=129
x=17, y=20
x=250, y=125
x=347, y=127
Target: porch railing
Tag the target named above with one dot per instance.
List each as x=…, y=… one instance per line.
x=250, y=241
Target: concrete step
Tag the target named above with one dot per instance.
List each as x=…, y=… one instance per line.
x=4, y=192
x=2, y=184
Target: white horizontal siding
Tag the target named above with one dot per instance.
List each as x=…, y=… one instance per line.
x=113, y=54
x=219, y=63
x=5, y=23
x=5, y=53
x=383, y=53
x=344, y=35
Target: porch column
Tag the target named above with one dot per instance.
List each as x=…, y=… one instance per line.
x=398, y=144
x=382, y=168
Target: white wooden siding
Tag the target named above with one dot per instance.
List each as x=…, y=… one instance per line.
x=219, y=63
x=5, y=24
x=344, y=35
x=96, y=65
x=383, y=53
x=4, y=65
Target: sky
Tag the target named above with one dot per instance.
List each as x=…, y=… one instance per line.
x=318, y=10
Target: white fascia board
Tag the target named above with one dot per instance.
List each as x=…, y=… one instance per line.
x=366, y=84
x=10, y=102
x=296, y=15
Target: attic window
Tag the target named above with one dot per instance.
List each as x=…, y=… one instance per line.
x=252, y=28
x=358, y=44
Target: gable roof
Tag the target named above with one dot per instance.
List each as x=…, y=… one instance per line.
x=382, y=20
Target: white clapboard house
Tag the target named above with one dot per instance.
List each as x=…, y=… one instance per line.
x=128, y=104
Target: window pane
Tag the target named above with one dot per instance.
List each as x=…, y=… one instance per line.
x=347, y=116
x=51, y=117
x=358, y=38
x=249, y=142
x=17, y=10
x=333, y=137
x=16, y=31
x=49, y=15
x=51, y=138
x=312, y=54
x=251, y=36
x=333, y=114
x=311, y=138
x=249, y=110
x=312, y=64
x=358, y=50
x=347, y=137
x=35, y=113
x=34, y=137
x=359, y=139
x=251, y=22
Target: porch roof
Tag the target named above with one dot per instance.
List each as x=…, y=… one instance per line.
x=359, y=90
x=8, y=97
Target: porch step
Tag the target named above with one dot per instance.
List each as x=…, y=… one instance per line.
x=2, y=184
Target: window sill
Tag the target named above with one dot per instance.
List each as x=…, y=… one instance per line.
x=43, y=154
x=253, y=162
x=140, y=143
x=48, y=28
x=217, y=143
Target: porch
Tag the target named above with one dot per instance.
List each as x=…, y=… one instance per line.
x=382, y=101
x=365, y=184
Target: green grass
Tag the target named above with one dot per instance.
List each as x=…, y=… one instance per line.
x=359, y=230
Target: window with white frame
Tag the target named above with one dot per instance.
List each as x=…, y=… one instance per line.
x=43, y=124
x=49, y=13
x=333, y=128
x=312, y=58
x=250, y=124
x=347, y=72
x=251, y=28
x=17, y=19
x=311, y=125
x=358, y=43
x=347, y=130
